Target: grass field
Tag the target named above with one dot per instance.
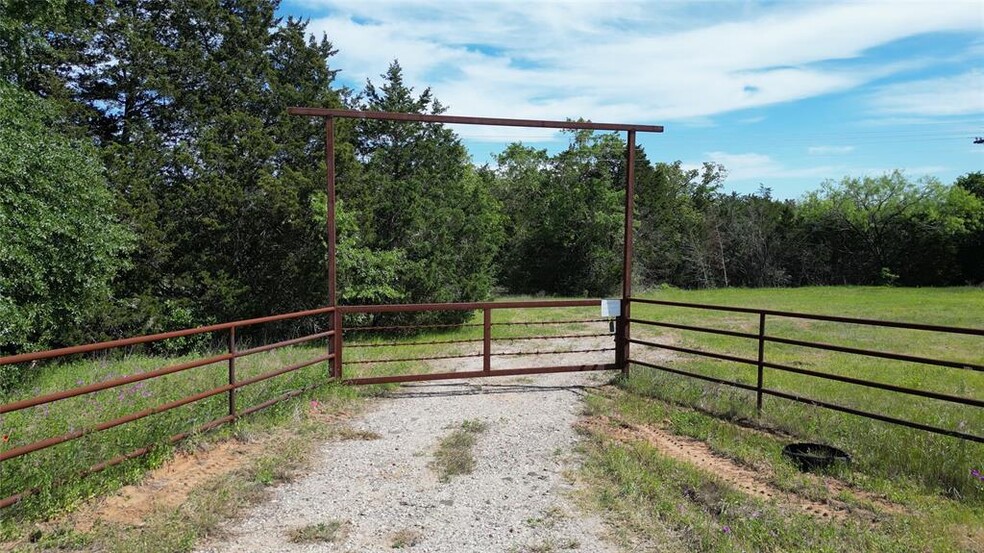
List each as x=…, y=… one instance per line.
x=660, y=503
x=929, y=471
x=884, y=450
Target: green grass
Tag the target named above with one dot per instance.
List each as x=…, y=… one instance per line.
x=937, y=462
x=455, y=453
x=323, y=532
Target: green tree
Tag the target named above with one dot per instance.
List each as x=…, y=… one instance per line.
x=214, y=176
x=421, y=201
x=890, y=228
x=60, y=244
x=564, y=216
x=972, y=247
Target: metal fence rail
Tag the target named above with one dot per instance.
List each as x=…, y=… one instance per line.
x=487, y=354
x=332, y=355
x=761, y=363
x=233, y=385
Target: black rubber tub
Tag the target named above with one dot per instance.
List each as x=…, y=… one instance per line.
x=809, y=456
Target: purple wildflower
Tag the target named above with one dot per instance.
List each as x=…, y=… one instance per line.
x=977, y=474
x=726, y=529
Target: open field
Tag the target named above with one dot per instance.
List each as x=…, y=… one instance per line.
x=940, y=463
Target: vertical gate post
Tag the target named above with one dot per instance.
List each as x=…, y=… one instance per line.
x=336, y=361
x=627, y=253
x=761, y=361
x=334, y=345
x=232, y=371
x=487, y=340
x=620, y=348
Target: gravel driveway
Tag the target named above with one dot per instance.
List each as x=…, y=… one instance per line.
x=385, y=494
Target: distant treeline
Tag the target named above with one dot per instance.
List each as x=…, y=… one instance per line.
x=151, y=179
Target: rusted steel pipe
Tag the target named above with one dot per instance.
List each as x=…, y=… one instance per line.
x=824, y=346
x=818, y=403
x=523, y=353
x=512, y=338
x=626, y=305
x=761, y=364
x=465, y=306
x=425, y=343
x=232, y=371
x=405, y=327
x=678, y=326
x=370, y=361
x=47, y=354
x=487, y=339
x=55, y=440
x=284, y=343
x=830, y=318
x=465, y=120
x=721, y=356
x=477, y=374
x=878, y=385
x=568, y=321
x=10, y=500
x=877, y=353
x=97, y=386
x=337, y=342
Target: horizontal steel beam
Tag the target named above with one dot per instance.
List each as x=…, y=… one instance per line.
x=818, y=403
x=830, y=318
x=462, y=120
x=466, y=306
x=477, y=374
x=47, y=354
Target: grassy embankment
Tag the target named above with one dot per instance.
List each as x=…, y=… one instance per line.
x=930, y=477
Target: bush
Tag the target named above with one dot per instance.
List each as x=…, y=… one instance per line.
x=59, y=243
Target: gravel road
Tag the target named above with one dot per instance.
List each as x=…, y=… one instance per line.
x=519, y=497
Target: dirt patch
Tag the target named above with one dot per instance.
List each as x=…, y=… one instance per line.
x=168, y=486
x=752, y=482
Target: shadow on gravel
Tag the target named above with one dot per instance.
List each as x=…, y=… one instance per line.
x=464, y=389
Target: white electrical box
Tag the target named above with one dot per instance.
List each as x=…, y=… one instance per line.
x=611, y=308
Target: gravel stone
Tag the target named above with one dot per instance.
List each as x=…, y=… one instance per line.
x=519, y=497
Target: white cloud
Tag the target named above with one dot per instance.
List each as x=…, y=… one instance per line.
x=755, y=166
x=959, y=95
x=626, y=61
x=829, y=150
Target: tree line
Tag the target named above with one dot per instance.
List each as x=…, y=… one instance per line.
x=151, y=179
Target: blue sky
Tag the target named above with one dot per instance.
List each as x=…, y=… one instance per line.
x=784, y=94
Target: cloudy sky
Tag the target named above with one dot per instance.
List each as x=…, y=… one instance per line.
x=784, y=94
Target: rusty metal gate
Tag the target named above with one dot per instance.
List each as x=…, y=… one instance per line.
x=621, y=330
x=614, y=355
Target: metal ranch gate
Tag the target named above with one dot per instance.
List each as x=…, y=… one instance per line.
x=335, y=332
x=621, y=347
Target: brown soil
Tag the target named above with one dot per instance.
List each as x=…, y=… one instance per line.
x=756, y=483
x=168, y=487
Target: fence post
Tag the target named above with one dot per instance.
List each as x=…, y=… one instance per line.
x=620, y=344
x=232, y=371
x=336, y=339
x=761, y=360
x=487, y=341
